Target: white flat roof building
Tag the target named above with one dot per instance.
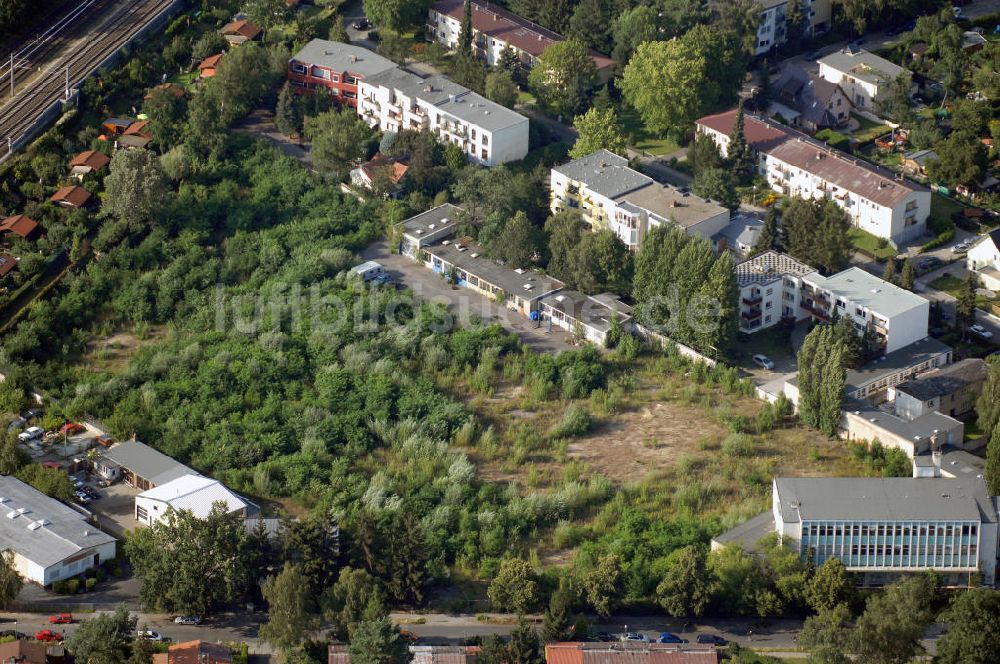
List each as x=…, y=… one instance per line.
x=194, y=493
x=862, y=75
x=50, y=540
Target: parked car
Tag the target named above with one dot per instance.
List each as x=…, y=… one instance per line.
x=712, y=639
x=48, y=635
x=667, y=637
x=150, y=635
x=929, y=264
x=82, y=497
x=763, y=361
x=187, y=620
x=72, y=428
x=961, y=247
x=361, y=24
x=31, y=433
x=31, y=413
x=91, y=493
x=61, y=619
x=635, y=636
x=382, y=279
x=980, y=331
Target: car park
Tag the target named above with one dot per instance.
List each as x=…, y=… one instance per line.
x=980, y=331
x=763, y=361
x=187, y=620
x=667, y=637
x=48, y=635
x=712, y=639
x=31, y=433
x=61, y=619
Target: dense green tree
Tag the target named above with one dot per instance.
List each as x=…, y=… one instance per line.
x=676, y=17
x=509, y=62
x=191, y=565
x=514, y=588
x=395, y=14
x=822, y=363
x=992, y=471
x=600, y=585
x=908, y=275
x=715, y=329
x=600, y=262
x=556, y=624
x=703, y=154
x=924, y=134
x=988, y=403
x=973, y=636
x=137, y=189
x=287, y=117
x=894, y=621
x=50, y=481
x=725, y=63
x=827, y=635
x=829, y=585
x=743, y=18
x=590, y=24
x=517, y=245
x=104, y=639
x=685, y=589
x=562, y=76
x=210, y=43
x=555, y=14
x=339, y=141
x=564, y=230
x=796, y=25
x=266, y=13
x=631, y=28
x=245, y=77
x=12, y=457
x=345, y=602
x=769, y=233
x=598, y=130
x=738, y=580
x=965, y=303
x=739, y=155
x=524, y=646
x=816, y=233
x=893, y=103
x=664, y=81
x=166, y=113
x=291, y=613
x=374, y=639
x=959, y=161
x=717, y=184
x=313, y=544
x=889, y=273
x=10, y=580
x=500, y=87
x=971, y=119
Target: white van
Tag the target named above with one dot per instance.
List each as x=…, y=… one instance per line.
x=368, y=270
x=31, y=433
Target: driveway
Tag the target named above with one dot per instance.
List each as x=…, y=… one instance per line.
x=465, y=305
x=115, y=510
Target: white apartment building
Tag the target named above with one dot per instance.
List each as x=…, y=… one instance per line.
x=495, y=29
x=863, y=76
x=774, y=286
x=490, y=134
x=884, y=528
x=611, y=195
x=773, y=29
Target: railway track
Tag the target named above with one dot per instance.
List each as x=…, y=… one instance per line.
x=70, y=56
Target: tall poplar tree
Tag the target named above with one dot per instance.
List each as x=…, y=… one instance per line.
x=740, y=155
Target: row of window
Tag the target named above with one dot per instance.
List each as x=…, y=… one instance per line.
x=889, y=530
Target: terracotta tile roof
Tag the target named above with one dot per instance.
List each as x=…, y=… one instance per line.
x=629, y=653
x=381, y=161
x=243, y=28
x=211, y=62
x=135, y=129
x=7, y=263
x=72, y=196
x=174, y=89
x=760, y=136
x=519, y=32
x=91, y=159
x=24, y=652
x=19, y=225
x=199, y=652
x=855, y=175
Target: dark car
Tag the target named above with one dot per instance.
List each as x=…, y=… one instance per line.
x=712, y=639
x=604, y=637
x=930, y=263
x=667, y=637
x=361, y=24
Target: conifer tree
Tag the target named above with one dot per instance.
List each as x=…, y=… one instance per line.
x=768, y=238
x=465, y=36
x=741, y=159
x=908, y=275
x=287, y=118
x=889, y=274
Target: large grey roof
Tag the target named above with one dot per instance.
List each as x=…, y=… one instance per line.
x=604, y=172
x=472, y=259
x=946, y=380
x=342, y=57
x=884, y=499
x=863, y=65
x=868, y=291
x=908, y=356
x=146, y=462
x=441, y=217
x=918, y=431
x=595, y=311
x=664, y=201
x=65, y=533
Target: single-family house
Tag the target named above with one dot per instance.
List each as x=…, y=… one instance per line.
x=22, y=651
x=20, y=225
x=240, y=31
x=862, y=75
x=174, y=90
x=195, y=652
x=49, y=540
x=208, y=67
x=809, y=102
x=7, y=265
x=380, y=171
x=72, y=196
x=983, y=259
x=88, y=162
x=739, y=237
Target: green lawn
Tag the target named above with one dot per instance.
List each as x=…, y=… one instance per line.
x=869, y=244
x=185, y=80
x=642, y=139
x=868, y=129
x=943, y=207
x=947, y=284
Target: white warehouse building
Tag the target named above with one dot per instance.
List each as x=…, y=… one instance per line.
x=50, y=541
x=194, y=493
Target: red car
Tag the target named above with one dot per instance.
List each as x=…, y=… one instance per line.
x=61, y=619
x=48, y=635
x=72, y=428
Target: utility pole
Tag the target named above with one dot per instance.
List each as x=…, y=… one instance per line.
x=67, y=82
x=11, y=75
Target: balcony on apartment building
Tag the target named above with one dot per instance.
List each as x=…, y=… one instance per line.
x=755, y=298
x=817, y=310
x=752, y=314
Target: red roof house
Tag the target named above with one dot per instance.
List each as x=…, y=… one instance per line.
x=88, y=162
x=240, y=31
x=71, y=196
x=195, y=652
x=19, y=225
x=629, y=653
x=31, y=652
x=7, y=264
x=209, y=65
x=174, y=89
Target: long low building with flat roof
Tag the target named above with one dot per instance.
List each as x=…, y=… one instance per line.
x=50, y=541
x=590, y=315
x=884, y=528
x=611, y=195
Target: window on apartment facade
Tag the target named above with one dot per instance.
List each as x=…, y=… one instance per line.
x=350, y=79
x=472, y=132
x=485, y=154
x=299, y=68
x=336, y=78
x=486, y=139
x=320, y=73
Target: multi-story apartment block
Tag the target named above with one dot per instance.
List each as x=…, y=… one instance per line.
x=863, y=76
x=883, y=528
x=336, y=67
x=878, y=201
x=488, y=133
x=770, y=290
x=611, y=195
x=773, y=28
x=495, y=29
x=774, y=286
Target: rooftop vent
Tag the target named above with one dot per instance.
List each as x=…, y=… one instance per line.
x=819, y=155
x=461, y=248
x=13, y=514
x=560, y=298
x=4, y=499
x=431, y=226
x=34, y=525
x=474, y=255
x=419, y=232
x=529, y=286
x=519, y=271
x=444, y=221
x=446, y=243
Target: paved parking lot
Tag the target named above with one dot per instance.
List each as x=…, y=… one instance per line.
x=465, y=305
x=115, y=509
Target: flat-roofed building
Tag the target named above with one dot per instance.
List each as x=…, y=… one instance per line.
x=591, y=316
x=770, y=286
x=629, y=652
x=428, y=228
x=336, y=67
x=884, y=528
x=50, y=541
x=609, y=194
x=952, y=390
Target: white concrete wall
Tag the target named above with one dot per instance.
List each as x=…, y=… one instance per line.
x=984, y=254
x=508, y=144
x=908, y=327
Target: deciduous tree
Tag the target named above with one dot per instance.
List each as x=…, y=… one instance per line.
x=10, y=580
x=137, y=189
x=590, y=24
x=104, y=639
x=829, y=585
x=973, y=636
x=598, y=130
x=514, y=588
x=717, y=184
x=631, y=28
x=374, y=640
x=339, y=140
x=291, y=613
x=685, y=589
x=894, y=621
x=500, y=87
x=287, y=117
x=601, y=586
x=562, y=76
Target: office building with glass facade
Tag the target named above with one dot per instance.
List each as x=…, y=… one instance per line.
x=882, y=528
